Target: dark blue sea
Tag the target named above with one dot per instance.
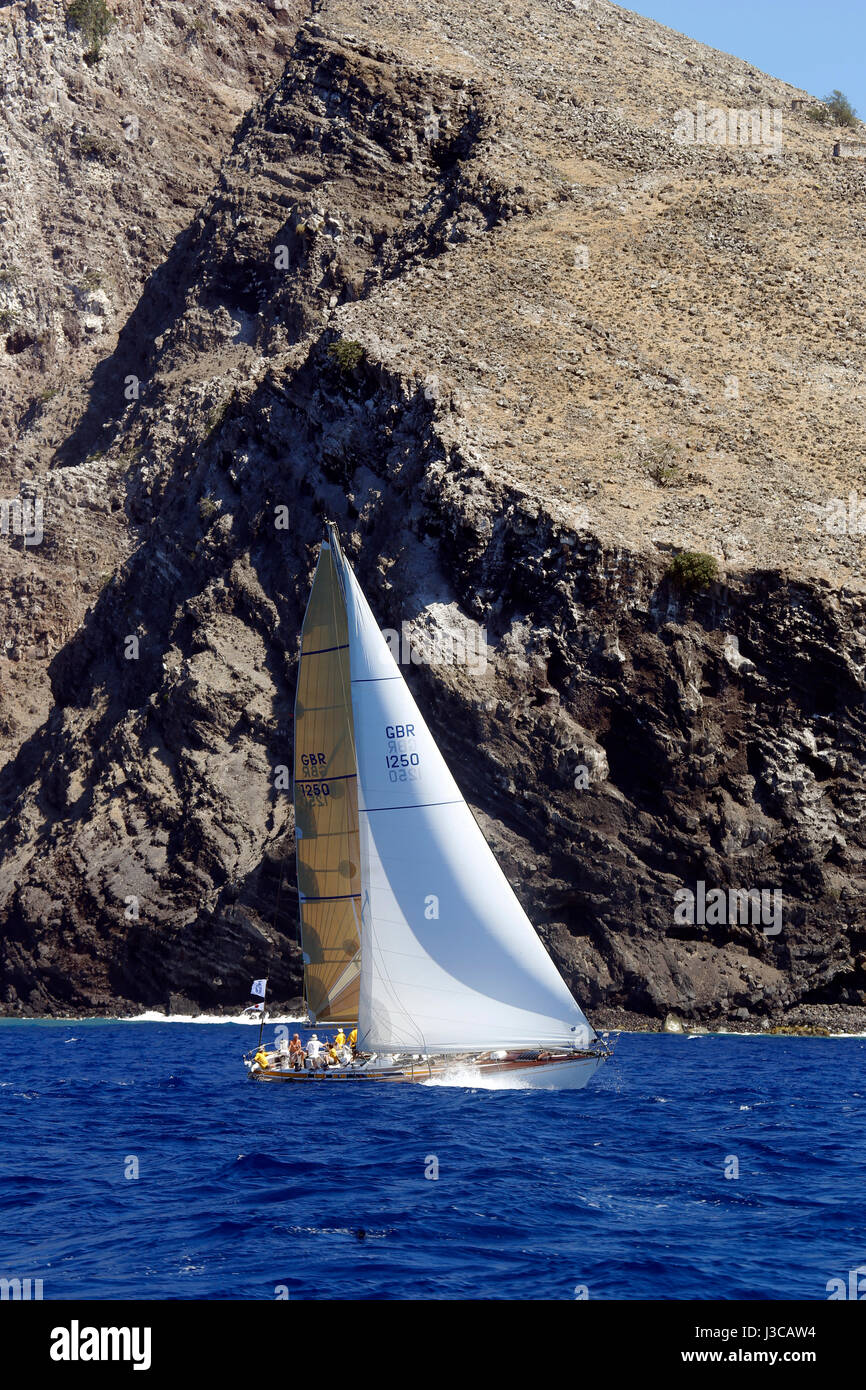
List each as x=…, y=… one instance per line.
x=256, y=1192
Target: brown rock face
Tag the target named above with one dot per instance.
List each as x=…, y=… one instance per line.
x=460, y=288
x=102, y=165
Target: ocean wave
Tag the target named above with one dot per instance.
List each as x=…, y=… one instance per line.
x=239, y=1189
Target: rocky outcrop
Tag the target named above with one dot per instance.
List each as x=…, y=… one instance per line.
x=102, y=165
x=478, y=343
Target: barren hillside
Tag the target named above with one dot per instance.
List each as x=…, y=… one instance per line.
x=573, y=345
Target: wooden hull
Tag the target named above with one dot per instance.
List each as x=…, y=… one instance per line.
x=545, y=1071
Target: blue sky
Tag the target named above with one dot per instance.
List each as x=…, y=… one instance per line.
x=816, y=46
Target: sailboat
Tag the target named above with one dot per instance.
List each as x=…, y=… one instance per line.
x=410, y=930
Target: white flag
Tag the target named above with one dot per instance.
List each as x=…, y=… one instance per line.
x=259, y=988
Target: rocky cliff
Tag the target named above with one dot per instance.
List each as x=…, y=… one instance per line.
x=460, y=285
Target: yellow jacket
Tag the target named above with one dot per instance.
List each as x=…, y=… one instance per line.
x=353, y=1038
x=262, y=1057
x=340, y=1038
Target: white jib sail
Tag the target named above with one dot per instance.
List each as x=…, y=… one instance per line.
x=449, y=962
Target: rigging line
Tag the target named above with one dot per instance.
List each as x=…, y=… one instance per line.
x=327, y=897
x=282, y=861
x=294, y=761
x=341, y=561
x=379, y=962
x=340, y=623
x=374, y=949
x=328, y=834
x=281, y=866
x=321, y=709
x=343, y=777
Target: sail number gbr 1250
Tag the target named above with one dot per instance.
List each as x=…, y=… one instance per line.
x=401, y=759
x=314, y=765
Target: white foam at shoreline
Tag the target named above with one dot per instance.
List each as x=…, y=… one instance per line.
x=153, y=1016
x=765, y=1033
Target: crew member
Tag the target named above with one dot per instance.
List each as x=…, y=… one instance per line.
x=314, y=1052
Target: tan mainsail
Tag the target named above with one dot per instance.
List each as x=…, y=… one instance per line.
x=326, y=804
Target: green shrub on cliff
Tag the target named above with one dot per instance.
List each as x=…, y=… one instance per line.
x=94, y=19
x=347, y=354
x=692, y=570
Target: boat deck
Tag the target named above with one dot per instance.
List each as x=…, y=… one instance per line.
x=514, y=1064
